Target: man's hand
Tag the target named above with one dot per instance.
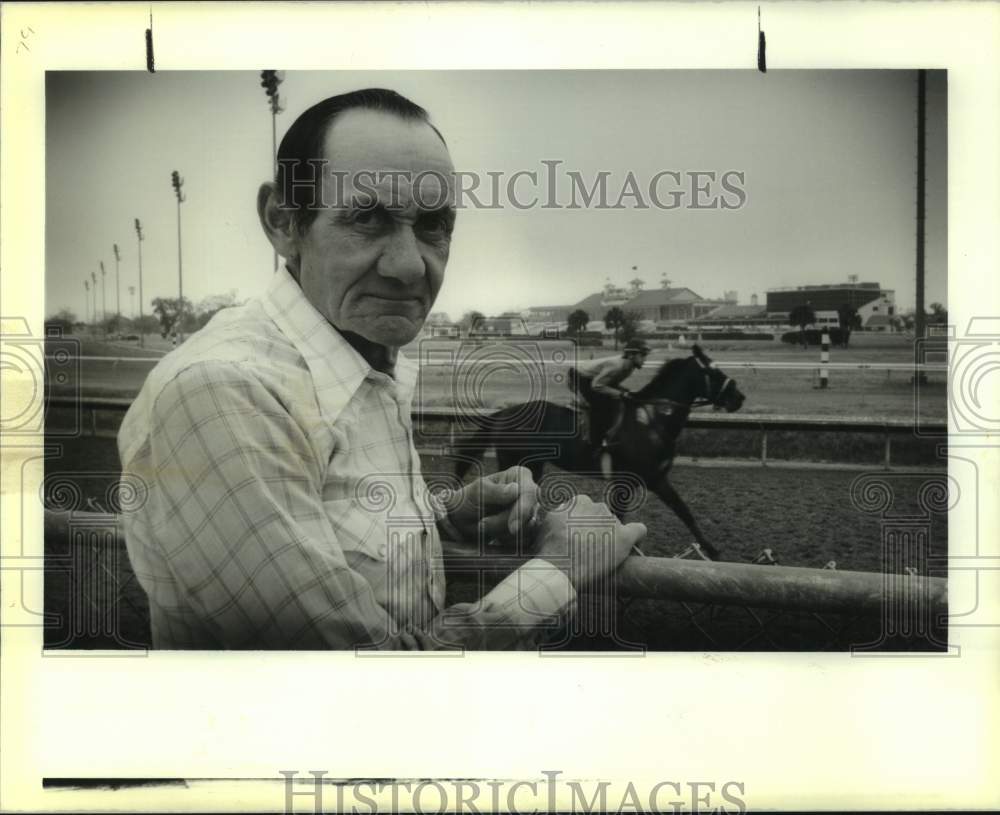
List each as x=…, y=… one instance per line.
x=498, y=506
x=586, y=541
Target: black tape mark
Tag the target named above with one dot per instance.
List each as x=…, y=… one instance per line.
x=761, y=46
x=110, y=783
x=150, y=64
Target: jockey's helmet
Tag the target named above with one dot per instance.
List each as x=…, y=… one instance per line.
x=636, y=346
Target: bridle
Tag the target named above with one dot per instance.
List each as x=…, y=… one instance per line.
x=701, y=401
x=708, y=399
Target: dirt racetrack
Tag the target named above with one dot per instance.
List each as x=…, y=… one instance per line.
x=806, y=517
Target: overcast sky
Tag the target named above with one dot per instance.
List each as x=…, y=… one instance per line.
x=829, y=162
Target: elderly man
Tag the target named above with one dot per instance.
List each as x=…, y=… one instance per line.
x=286, y=506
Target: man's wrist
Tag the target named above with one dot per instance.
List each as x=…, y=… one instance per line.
x=560, y=563
x=537, y=588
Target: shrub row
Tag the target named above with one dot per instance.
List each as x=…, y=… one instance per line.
x=693, y=336
x=813, y=336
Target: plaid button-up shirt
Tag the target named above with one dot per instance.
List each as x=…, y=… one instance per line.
x=284, y=504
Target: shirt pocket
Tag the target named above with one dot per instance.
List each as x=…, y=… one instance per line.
x=359, y=532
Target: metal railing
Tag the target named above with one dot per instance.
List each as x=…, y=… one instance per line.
x=103, y=601
x=779, y=365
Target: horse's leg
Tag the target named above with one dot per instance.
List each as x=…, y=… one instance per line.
x=670, y=497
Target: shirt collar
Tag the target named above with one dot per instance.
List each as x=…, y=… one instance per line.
x=337, y=369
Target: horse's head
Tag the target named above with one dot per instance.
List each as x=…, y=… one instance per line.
x=693, y=380
x=717, y=389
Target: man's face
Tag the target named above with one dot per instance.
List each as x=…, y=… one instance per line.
x=637, y=359
x=373, y=261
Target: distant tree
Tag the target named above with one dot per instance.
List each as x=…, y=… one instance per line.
x=212, y=305
x=802, y=316
x=849, y=319
x=64, y=320
x=148, y=324
x=630, y=324
x=613, y=320
x=471, y=320
x=939, y=314
x=904, y=322
x=577, y=322
x=112, y=324
x=169, y=311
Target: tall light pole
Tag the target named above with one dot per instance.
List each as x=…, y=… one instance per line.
x=118, y=285
x=104, y=294
x=142, y=336
x=131, y=290
x=86, y=289
x=269, y=81
x=177, y=182
x=93, y=288
x=919, y=326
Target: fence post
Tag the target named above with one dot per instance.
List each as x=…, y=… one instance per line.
x=824, y=358
x=763, y=446
x=888, y=445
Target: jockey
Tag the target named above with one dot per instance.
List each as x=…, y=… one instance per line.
x=598, y=382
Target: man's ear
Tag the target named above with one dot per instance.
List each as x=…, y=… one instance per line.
x=276, y=221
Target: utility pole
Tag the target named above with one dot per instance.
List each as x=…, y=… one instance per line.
x=177, y=182
x=118, y=287
x=269, y=81
x=86, y=289
x=142, y=336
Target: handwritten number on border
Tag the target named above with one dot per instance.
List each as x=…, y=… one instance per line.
x=25, y=33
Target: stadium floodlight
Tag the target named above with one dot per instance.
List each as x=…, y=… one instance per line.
x=138, y=232
x=177, y=182
x=118, y=287
x=104, y=293
x=269, y=81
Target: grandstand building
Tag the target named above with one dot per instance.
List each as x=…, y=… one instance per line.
x=669, y=307
x=664, y=304
x=875, y=306
x=661, y=307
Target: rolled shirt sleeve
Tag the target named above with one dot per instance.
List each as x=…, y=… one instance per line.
x=236, y=516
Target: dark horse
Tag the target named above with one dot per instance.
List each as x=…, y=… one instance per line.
x=643, y=446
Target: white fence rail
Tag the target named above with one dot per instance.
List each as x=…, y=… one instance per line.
x=90, y=408
x=746, y=364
